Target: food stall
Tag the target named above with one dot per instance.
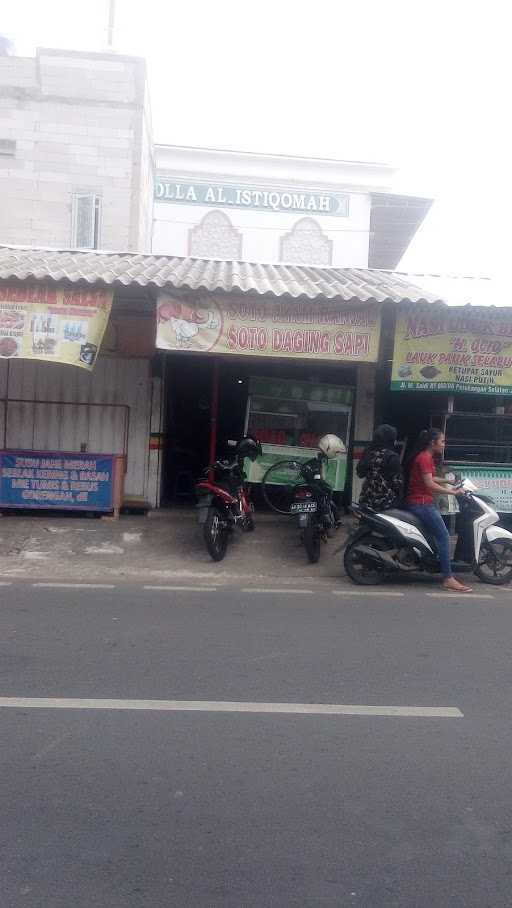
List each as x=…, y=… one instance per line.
x=289, y=417
x=465, y=355
x=63, y=327
x=479, y=447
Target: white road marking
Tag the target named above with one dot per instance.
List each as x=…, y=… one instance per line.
x=76, y=586
x=366, y=593
x=275, y=591
x=183, y=589
x=228, y=706
x=5, y=583
x=465, y=595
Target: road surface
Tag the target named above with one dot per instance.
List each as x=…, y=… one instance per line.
x=255, y=747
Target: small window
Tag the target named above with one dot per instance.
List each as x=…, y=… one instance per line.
x=8, y=147
x=86, y=216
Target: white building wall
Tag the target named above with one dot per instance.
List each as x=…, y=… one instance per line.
x=263, y=231
x=344, y=239
x=79, y=125
x=144, y=165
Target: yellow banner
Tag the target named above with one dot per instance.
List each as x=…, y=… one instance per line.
x=313, y=330
x=55, y=324
x=453, y=349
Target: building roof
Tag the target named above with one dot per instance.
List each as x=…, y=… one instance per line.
x=394, y=220
x=167, y=272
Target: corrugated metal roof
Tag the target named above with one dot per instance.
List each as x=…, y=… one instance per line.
x=132, y=269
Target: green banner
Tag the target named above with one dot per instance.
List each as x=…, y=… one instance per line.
x=496, y=482
x=254, y=197
x=289, y=389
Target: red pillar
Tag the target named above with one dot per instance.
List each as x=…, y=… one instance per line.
x=214, y=410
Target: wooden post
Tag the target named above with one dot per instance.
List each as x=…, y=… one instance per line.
x=214, y=411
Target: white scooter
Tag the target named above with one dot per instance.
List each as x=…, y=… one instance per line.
x=395, y=541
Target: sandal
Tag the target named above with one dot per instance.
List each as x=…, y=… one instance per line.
x=459, y=588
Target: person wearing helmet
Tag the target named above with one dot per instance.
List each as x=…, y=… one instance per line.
x=381, y=470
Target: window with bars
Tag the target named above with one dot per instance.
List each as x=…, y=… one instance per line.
x=85, y=221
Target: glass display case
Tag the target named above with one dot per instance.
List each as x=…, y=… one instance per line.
x=289, y=417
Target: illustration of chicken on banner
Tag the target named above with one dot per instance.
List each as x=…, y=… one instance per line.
x=187, y=325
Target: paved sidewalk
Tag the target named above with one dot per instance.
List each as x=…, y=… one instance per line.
x=166, y=545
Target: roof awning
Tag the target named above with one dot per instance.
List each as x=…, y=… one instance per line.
x=128, y=269
x=167, y=272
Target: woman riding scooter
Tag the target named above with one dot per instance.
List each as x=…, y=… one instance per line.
x=420, y=501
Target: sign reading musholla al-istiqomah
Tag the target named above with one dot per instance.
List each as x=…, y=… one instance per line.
x=453, y=349
x=260, y=198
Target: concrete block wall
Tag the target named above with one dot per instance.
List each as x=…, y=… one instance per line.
x=80, y=124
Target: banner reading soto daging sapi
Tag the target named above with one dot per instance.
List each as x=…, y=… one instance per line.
x=55, y=324
x=453, y=349
x=321, y=330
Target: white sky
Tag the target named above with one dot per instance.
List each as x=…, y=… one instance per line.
x=423, y=84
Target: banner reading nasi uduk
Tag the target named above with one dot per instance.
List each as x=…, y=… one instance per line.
x=321, y=330
x=453, y=349
x=54, y=324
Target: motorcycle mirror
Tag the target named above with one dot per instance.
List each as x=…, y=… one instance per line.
x=469, y=486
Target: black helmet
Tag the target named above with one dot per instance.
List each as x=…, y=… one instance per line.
x=384, y=436
x=249, y=447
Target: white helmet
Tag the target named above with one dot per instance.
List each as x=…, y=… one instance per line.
x=331, y=446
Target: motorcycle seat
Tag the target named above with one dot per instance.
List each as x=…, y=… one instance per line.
x=406, y=516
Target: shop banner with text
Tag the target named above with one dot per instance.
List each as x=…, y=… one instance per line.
x=316, y=330
x=45, y=479
x=54, y=324
x=453, y=349
x=494, y=481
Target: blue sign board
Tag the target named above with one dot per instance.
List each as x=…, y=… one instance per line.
x=48, y=479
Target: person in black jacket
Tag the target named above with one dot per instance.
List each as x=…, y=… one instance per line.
x=381, y=470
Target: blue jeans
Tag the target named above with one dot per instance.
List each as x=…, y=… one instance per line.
x=430, y=516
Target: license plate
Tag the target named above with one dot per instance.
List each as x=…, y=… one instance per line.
x=303, y=507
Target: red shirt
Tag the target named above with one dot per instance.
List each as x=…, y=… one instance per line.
x=417, y=492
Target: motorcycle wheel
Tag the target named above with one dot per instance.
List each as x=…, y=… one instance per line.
x=215, y=534
x=356, y=566
x=495, y=564
x=312, y=541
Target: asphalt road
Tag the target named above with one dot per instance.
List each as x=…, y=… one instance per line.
x=182, y=803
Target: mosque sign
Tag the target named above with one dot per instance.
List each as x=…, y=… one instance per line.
x=229, y=195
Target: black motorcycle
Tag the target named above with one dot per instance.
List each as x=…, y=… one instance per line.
x=298, y=490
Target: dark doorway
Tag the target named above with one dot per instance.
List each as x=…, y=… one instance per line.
x=189, y=382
